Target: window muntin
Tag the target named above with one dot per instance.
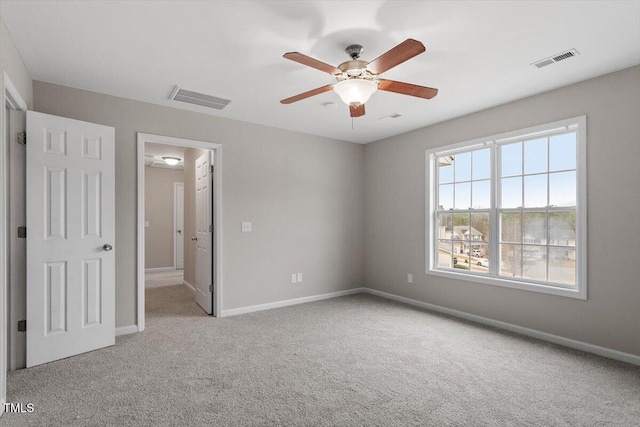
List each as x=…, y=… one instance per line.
x=527, y=188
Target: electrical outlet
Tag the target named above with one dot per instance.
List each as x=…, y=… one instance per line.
x=246, y=227
x=299, y=277
x=409, y=278
x=294, y=278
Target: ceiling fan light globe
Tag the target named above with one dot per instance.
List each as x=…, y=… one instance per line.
x=355, y=91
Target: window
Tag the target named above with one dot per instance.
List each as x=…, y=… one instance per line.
x=510, y=210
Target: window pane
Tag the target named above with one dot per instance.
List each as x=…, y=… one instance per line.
x=534, y=262
x=463, y=196
x=562, y=152
x=510, y=260
x=562, y=228
x=534, y=230
x=511, y=227
x=462, y=165
x=479, y=227
x=511, y=191
x=562, y=189
x=445, y=170
x=480, y=258
x=481, y=194
x=445, y=197
x=444, y=254
x=535, y=191
x=535, y=156
x=460, y=226
x=562, y=266
x=445, y=222
x=511, y=159
x=460, y=261
x=481, y=164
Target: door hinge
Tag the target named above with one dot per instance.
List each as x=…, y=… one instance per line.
x=210, y=288
x=211, y=228
x=22, y=326
x=210, y=168
x=21, y=137
x=22, y=232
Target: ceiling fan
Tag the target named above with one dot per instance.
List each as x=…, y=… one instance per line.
x=358, y=80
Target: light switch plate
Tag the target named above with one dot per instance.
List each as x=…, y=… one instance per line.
x=299, y=277
x=294, y=277
x=146, y=223
x=246, y=227
x=409, y=278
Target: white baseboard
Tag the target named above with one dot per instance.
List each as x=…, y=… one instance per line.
x=159, y=269
x=189, y=285
x=126, y=330
x=285, y=303
x=567, y=342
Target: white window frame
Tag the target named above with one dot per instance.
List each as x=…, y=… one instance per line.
x=580, y=290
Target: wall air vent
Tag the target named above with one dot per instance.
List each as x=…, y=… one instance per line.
x=196, y=98
x=556, y=58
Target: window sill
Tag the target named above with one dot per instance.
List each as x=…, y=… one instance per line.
x=577, y=293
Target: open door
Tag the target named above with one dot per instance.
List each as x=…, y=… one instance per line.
x=204, y=256
x=70, y=237
x=178, y=201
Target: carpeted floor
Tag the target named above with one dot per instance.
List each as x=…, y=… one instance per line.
x=163, y=278
x=355, y=360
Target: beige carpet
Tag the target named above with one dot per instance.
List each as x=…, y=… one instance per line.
x=350, y=361
x=163, y=278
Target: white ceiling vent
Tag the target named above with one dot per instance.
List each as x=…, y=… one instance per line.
x=556, y=58
x=196, y=98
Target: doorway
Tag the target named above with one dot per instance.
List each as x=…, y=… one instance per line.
x=178, y=225
x=206, y=286
x=164, y=172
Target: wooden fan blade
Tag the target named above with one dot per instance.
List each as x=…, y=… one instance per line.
x=356, y=111
x=310, y=62
x=407, y=89
x=308, y=94
x=404, y=51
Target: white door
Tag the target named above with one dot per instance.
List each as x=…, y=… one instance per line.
x=203, y=239
x=70, y=237
x=178, y=201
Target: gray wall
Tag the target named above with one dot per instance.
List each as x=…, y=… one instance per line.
x=395, y=215
x=158, y=202
x=304, y=195
x=190, y=157
x=11, y=62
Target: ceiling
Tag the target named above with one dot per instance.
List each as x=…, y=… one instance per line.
x=478, y=53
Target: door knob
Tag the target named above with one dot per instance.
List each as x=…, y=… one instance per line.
x=179, y=231
x=194, y=238
x=107, y=247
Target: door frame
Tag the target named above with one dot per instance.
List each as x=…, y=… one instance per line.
x=175, y=216
x=143, y=138
x=11, y=97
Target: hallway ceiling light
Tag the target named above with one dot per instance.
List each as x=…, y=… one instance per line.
x=171, y=161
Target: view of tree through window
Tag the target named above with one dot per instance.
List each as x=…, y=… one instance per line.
x=515, y=221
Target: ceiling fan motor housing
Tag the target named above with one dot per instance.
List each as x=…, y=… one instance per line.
x=353, y=69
